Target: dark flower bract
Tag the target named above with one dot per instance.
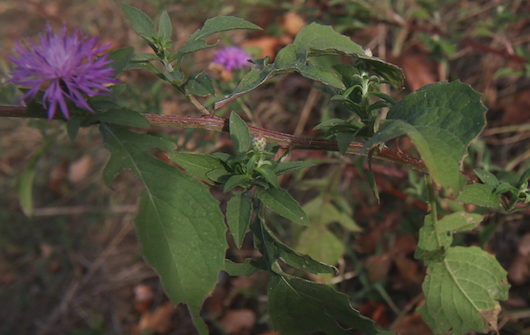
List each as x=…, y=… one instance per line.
x=68, y=63
x=231, y=58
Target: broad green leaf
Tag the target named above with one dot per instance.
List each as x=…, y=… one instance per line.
x=481, y=195
x=164, y=27
x=273, y=249
x=175, y=77
x=121, y=116
x=201, y=86
x=24, y=184
x=142, y=24
x=120, y=58
x=179, y=223
x=198, y=164
x=487, y=178
x=319, y=243
x=247, y=268
x=212, y=26
x=441, y=119
x=461, y=292
x=301, y=307
x=322, y=74
x=324, y=212
x=312, y=41
x=437, y=237
x=238, y=213
x=287, y=167
x=343, y=140
x=239, y=134
x=280, y=201
x=235, y=181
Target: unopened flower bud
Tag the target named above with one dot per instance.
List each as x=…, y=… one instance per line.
x=259, y=143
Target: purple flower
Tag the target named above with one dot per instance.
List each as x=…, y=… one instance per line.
x=231, y=58
x=68, y=63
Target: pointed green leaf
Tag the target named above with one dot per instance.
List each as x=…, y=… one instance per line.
x=441, y=119
x=142, y=24
x=273, y=249
x=212, y=26
x=461, y=292
x=238, y=213
x=164, y=27
x=281, y=202
x=179, y=223
x=322, y=74
x=288, y=167
x=121, y=116
x=480, y=195
x=198, y=164
x=222, y=23
x=344, y=140
x=175, y=77
x=301, y=307
x=201, y=86
x=239, y=134
x=235, y=181
x=73, y=124
x=144, y=57
x=269, y=175
x=487, y=178
x=120, y=58
x=247, y=268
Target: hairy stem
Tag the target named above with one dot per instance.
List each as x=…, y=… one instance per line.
x=292, y=142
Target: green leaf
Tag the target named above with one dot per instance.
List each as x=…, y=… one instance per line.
x=281, y=202
x=322, y=74
x=312, y=41
x=179, y=223
x=142, y=24
x=481, y=195
x=24, y=184
x=198, y=164
x=235, y=181
x=269, y=175
x=319, y=243
x=120, y=58
x=239, y=134
x=461, y=292
x=164, y=27
x=324, y=212
x=201, y=86
x=247, y=268
x=301, y=307
x=144, y=57
x=437, y=237
x=175, y=77
x=238, y=213
x=344, y=139
x=222, y=23
x=121, y=116
x=287, y=167
x=212, y=26
x=273, y=249
x=73, y=124
x=487, y=178
x=441, y=119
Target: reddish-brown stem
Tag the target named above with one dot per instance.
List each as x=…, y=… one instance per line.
x=285, y=140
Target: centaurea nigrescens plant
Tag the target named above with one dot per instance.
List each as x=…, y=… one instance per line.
x=180, y=225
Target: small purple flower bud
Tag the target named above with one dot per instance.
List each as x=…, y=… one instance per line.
x=231, y=58
x=68, y=63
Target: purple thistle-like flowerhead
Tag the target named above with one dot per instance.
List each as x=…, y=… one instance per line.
x=68, y=63
x=231, y=58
